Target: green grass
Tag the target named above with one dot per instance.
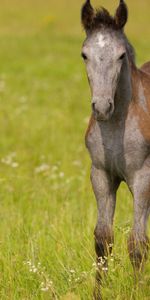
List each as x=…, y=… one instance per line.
x=47, y=208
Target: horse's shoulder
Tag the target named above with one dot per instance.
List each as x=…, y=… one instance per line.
x=90, y=125
x=144, y=75
x=146, y=67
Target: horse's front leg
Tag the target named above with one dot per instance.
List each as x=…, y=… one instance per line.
x=105, y=192
x=138, y=242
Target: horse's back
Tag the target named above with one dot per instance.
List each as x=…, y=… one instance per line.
x=146, y=67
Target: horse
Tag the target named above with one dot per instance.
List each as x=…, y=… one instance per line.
x=118, y=134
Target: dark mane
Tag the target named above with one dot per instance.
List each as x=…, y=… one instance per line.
x=103, y=18
x=130, y=51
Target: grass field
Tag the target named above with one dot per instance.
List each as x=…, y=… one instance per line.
x=47, y=208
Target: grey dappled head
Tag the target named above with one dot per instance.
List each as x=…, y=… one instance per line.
x=104, y=53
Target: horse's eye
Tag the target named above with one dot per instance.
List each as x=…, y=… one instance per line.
x=84, y=56
x=122, y=56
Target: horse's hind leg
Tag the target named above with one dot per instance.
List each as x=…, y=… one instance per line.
x=105, y=192
x=138, y=242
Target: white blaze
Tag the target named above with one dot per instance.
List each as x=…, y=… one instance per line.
x=101, y=41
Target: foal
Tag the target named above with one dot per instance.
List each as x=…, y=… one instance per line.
x=118, y=135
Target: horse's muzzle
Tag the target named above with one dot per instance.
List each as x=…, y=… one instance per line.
x=102, y=113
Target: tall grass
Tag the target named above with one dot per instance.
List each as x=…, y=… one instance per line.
x=47, y=208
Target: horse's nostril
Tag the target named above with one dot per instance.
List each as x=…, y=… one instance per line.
x=93, y=106
x=110, y=107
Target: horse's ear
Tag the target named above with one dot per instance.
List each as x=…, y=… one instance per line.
x=87, y=15
x=121, y=15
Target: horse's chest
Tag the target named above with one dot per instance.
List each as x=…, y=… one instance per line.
x=120, y=150
x=105, y=147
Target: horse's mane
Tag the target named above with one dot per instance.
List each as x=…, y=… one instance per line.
x=103, y=18
x=130, y=50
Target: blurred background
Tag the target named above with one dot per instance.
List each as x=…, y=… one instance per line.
x=47, y=208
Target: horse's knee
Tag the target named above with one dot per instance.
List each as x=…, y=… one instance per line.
x=103, y=241
x=138, y=250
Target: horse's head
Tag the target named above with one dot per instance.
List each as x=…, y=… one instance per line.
x=104, y=53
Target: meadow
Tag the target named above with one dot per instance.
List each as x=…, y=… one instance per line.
x=47, y=207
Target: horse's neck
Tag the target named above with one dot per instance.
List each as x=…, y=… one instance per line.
x=123, y=95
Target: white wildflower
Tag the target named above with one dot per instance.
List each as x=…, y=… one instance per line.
x=45, y=289
x=105, y=269
x=9, y=160
x=35, y=270
x=42, y=168
x=44, y=281
x=27, y=263
x=101, y=261
x=77, y=279
x=61, y=174
x=15, y=165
